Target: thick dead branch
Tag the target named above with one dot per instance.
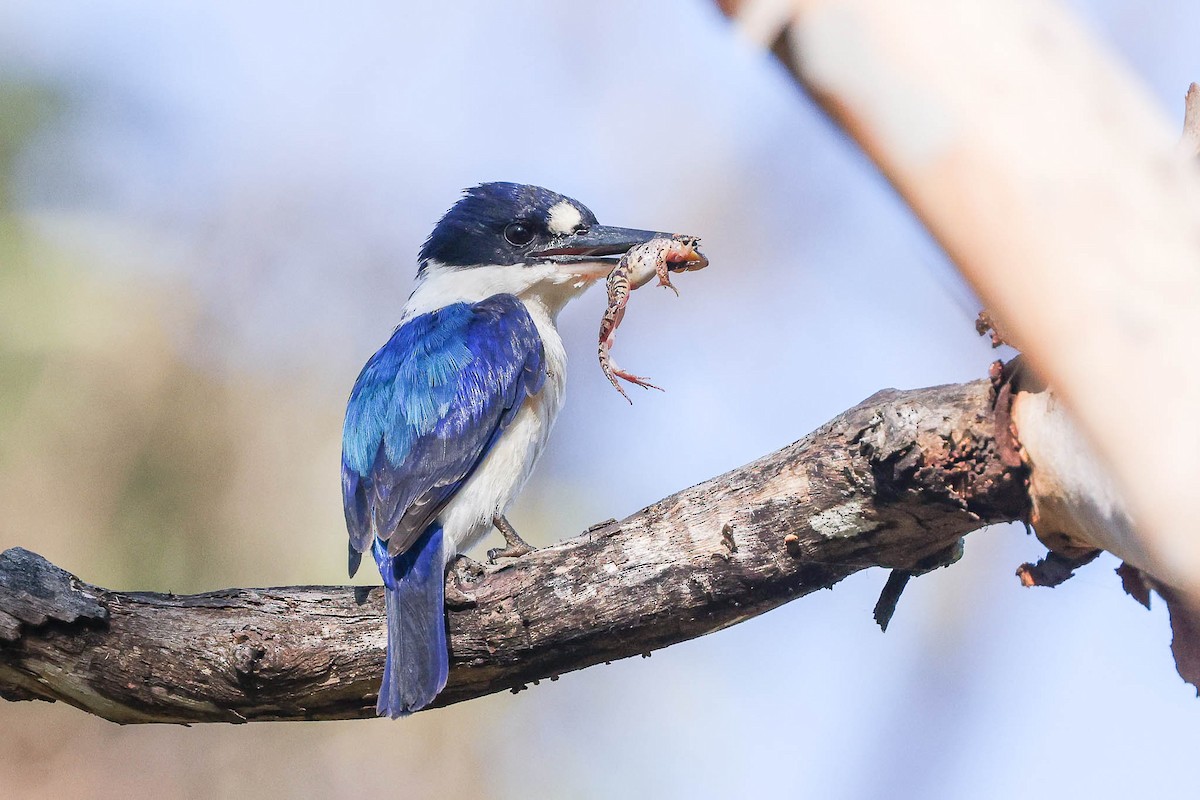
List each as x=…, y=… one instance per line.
x=1052, y=181
x=895, y=482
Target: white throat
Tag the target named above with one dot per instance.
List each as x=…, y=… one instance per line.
x=547, y=285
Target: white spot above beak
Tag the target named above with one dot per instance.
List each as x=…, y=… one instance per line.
x=564, y=218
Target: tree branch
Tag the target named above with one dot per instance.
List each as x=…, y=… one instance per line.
x=894, y=482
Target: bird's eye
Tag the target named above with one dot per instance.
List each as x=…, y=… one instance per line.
x=581, y=230
x=518, y=234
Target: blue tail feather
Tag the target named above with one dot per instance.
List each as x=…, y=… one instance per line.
x=418, y=660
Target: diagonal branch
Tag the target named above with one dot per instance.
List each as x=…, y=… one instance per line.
x=894, y=482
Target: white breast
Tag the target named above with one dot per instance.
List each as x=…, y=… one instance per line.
x=503, y=472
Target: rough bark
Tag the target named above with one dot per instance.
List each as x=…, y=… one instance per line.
x=895, y=482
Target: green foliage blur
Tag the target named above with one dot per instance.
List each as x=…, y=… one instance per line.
x=119, y=458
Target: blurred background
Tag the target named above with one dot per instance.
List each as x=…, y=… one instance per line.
x=209, y=216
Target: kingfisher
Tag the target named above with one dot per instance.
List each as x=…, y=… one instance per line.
x=447, y=419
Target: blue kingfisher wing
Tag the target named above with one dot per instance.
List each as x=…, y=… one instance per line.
x=426, y=409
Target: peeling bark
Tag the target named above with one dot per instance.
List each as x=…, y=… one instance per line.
x=895, y=482
x=1077, y=511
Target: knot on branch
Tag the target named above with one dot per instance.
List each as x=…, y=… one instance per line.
x=249, y=650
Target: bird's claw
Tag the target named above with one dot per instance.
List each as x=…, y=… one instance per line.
x=517, y=546
x=508, y=552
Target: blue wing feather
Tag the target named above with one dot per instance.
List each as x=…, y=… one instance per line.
x=427, y=408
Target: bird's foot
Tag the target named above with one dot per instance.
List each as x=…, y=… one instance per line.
x=463, y=572
x=517, y=546
x=508, y=552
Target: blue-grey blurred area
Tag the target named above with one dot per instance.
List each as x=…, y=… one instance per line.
x=209, y=215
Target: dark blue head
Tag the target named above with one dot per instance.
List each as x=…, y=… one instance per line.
x=511, y=223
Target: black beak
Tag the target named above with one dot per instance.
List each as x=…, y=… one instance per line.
x=600, y=240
